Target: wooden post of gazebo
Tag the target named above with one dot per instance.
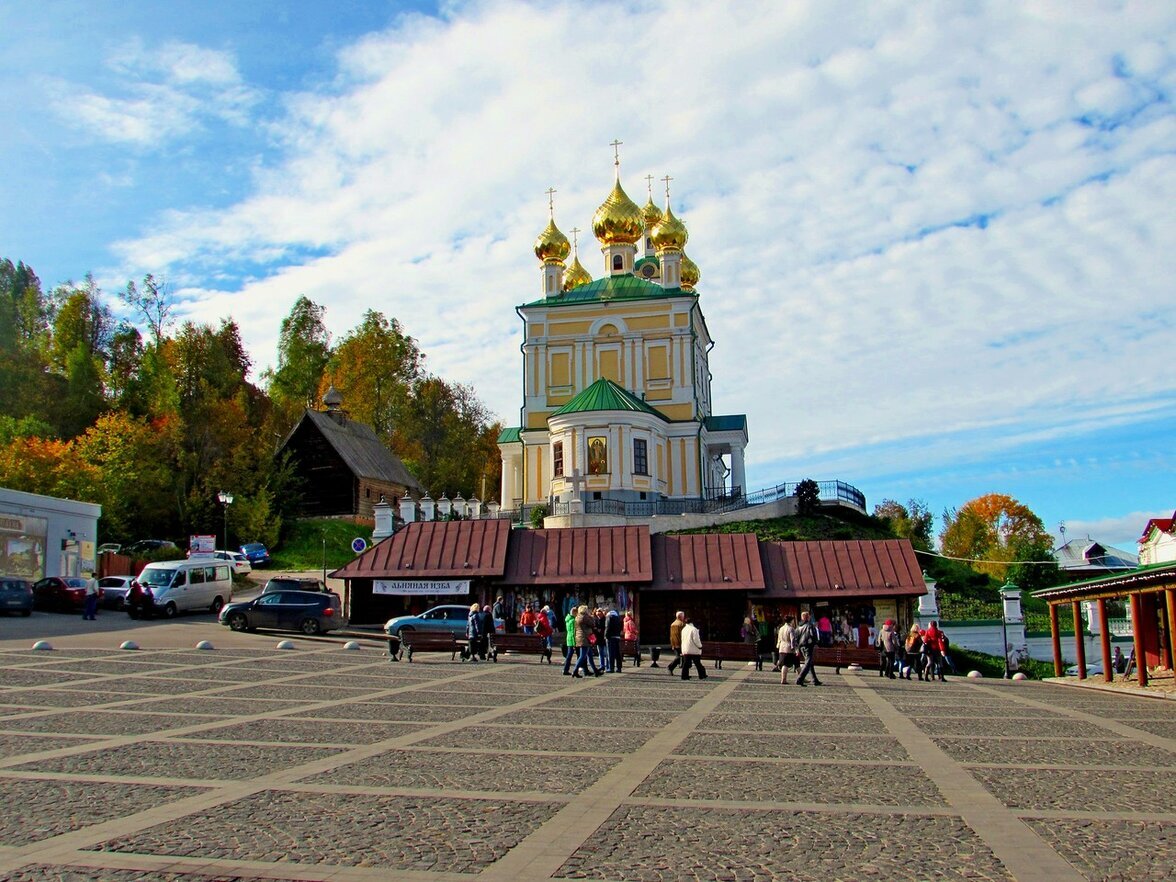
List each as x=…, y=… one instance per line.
x=1079, y=643
x=1057, y=639
x=1137, y=633
x=1108, y=671
x=1170, y=597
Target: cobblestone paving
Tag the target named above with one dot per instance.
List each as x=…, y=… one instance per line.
x=1080, y=790
x=773, y=783
x=865, y=748
x=656, y=759
x=36, y=810
x=504, y=772
x=1073, y=752
x=441, y=835
x=650, y=844
x=1113, y=851
x=551, y=739
x=103, y=723
x=305, y=732
x=179, y=759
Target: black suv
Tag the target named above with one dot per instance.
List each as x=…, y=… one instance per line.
x=310, y=612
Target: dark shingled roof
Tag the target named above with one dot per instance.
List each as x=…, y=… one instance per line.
x=435, y=550
x=361, y=450
x=710, y=560
x=579, y=555
x=842, y=568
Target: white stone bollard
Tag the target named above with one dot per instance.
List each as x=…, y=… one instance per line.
x=204, y=644
x=286, y=644
x=975, y=675
x=352, y=644
x=42, y=645
x=1020, y=675
x=128, y=644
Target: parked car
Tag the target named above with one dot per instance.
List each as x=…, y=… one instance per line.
x=172, y=586
x=145, y=546
x=109, y=548
x=445, y=619
x=290, y=583
x=256, y=553
x=238, y=561
x=114, y=591
x=60, y=593
x=310, y=612
x=16, y=595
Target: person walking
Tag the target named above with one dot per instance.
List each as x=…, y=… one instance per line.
x=676, y=639
x=543, y=629
x=474, y=632
x=691, y=650
x=806, y=643
x=598, y=643
x=888, y=648
x=90, y=604
x=933, y=646
x=914, y=652
x=569, y=640
x=786, y=649
x=612, y=635
x=527, y=620
x=629, y=633
x=584, y=657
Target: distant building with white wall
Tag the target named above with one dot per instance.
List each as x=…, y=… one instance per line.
x=1158, y=542
x=45, y=536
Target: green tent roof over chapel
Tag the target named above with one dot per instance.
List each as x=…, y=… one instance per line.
x=626, y=287
x=604, y=394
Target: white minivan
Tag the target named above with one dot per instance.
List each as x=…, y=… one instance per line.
x=180, y=585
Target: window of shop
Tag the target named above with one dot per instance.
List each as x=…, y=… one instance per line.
x=22, y=546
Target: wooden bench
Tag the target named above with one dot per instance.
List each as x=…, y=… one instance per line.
x=838, y=657
x=524, y=644
x=631, y=649
x=412, y=643
x=720, y=652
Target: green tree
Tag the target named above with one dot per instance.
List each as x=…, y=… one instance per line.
x=152, y=302
x=808, y=497
x=304, y=349
x=912, y=521
x=374, y=367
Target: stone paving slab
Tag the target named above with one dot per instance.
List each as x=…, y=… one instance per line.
x=38, y=677
x=1113, y=850
x=36, y=810
x=757, y=781
x=455, y=699
x=793, y=723
x=503, y=772
x=555, y=739
x=152, y=685
x=1080, y=790
x=49, y=873
x=390, y=713
x=104, y=723
x=97, y=666
x=544, y=716
x=397, y=833
x=297, y=692
x=180, y=759
x=866, y=748
x=215, y=704
x=655, y=844
x=18, y=745
x=302, y=731
x=1034, y=752
x=1163, y=729
x=1052, y=726
x=43, y=698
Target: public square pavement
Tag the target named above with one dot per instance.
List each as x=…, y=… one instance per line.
x=250, y=763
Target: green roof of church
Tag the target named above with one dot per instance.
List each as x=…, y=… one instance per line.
x=609, y=288
x=726, y=423
x=604, y=394
x=509, y=435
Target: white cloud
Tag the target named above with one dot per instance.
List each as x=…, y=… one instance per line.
x=1123, y=531
x=914, y=222
x=160, y=93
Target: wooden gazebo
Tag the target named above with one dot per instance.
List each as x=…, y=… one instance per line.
x=1151, y=593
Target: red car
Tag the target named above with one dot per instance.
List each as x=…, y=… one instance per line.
x=60, y=593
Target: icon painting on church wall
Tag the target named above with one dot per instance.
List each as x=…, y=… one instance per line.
x=598, y=456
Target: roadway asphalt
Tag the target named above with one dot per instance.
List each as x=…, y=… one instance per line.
x=246, y=762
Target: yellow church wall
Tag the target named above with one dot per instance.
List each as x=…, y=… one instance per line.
x=609, y=364
x=657, y=361
x=561, y=369
x=569, y=329
x=648, y=322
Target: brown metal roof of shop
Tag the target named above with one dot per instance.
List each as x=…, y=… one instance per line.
x=579, y=555
x=714, y=560
x=435, y=550
x=842, y=568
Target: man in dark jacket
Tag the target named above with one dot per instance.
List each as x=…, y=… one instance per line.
x=474, y=633
x=487, y=636
x=612, y=633
x=806, y=644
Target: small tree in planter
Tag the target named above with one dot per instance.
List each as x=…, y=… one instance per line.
x=538, y=513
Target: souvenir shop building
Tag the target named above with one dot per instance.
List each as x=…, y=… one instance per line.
x=719, y=579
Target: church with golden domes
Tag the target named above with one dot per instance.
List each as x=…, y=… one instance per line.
x=617, y=419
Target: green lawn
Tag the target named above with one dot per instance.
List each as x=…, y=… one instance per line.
x=303, y=547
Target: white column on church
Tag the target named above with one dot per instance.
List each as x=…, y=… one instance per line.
x=541, y=370
x=578, y=367
x=738, y=477
x=639, y=366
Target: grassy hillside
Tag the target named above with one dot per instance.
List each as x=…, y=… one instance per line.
x=302, y=548
x=835, y=524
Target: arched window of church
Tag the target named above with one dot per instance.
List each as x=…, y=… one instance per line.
x=617, y=264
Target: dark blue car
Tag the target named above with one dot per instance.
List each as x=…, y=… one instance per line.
x=256, y=553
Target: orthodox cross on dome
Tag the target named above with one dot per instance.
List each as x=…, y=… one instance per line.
x=667, y=179
x=575, y=240
x=616, y=146
x=649, y=185
x=551, y=191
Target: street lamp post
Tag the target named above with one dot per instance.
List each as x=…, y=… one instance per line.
x=226, y=499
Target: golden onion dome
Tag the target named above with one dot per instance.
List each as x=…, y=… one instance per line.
x=670, y=234
x=576, y=275
x=552, y=246
x=618, y=221
x=651, y=214
x=689, y=272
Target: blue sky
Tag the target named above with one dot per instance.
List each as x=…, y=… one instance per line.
x=937, y=241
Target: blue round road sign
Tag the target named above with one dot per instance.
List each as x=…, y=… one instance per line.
x=359, y=545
